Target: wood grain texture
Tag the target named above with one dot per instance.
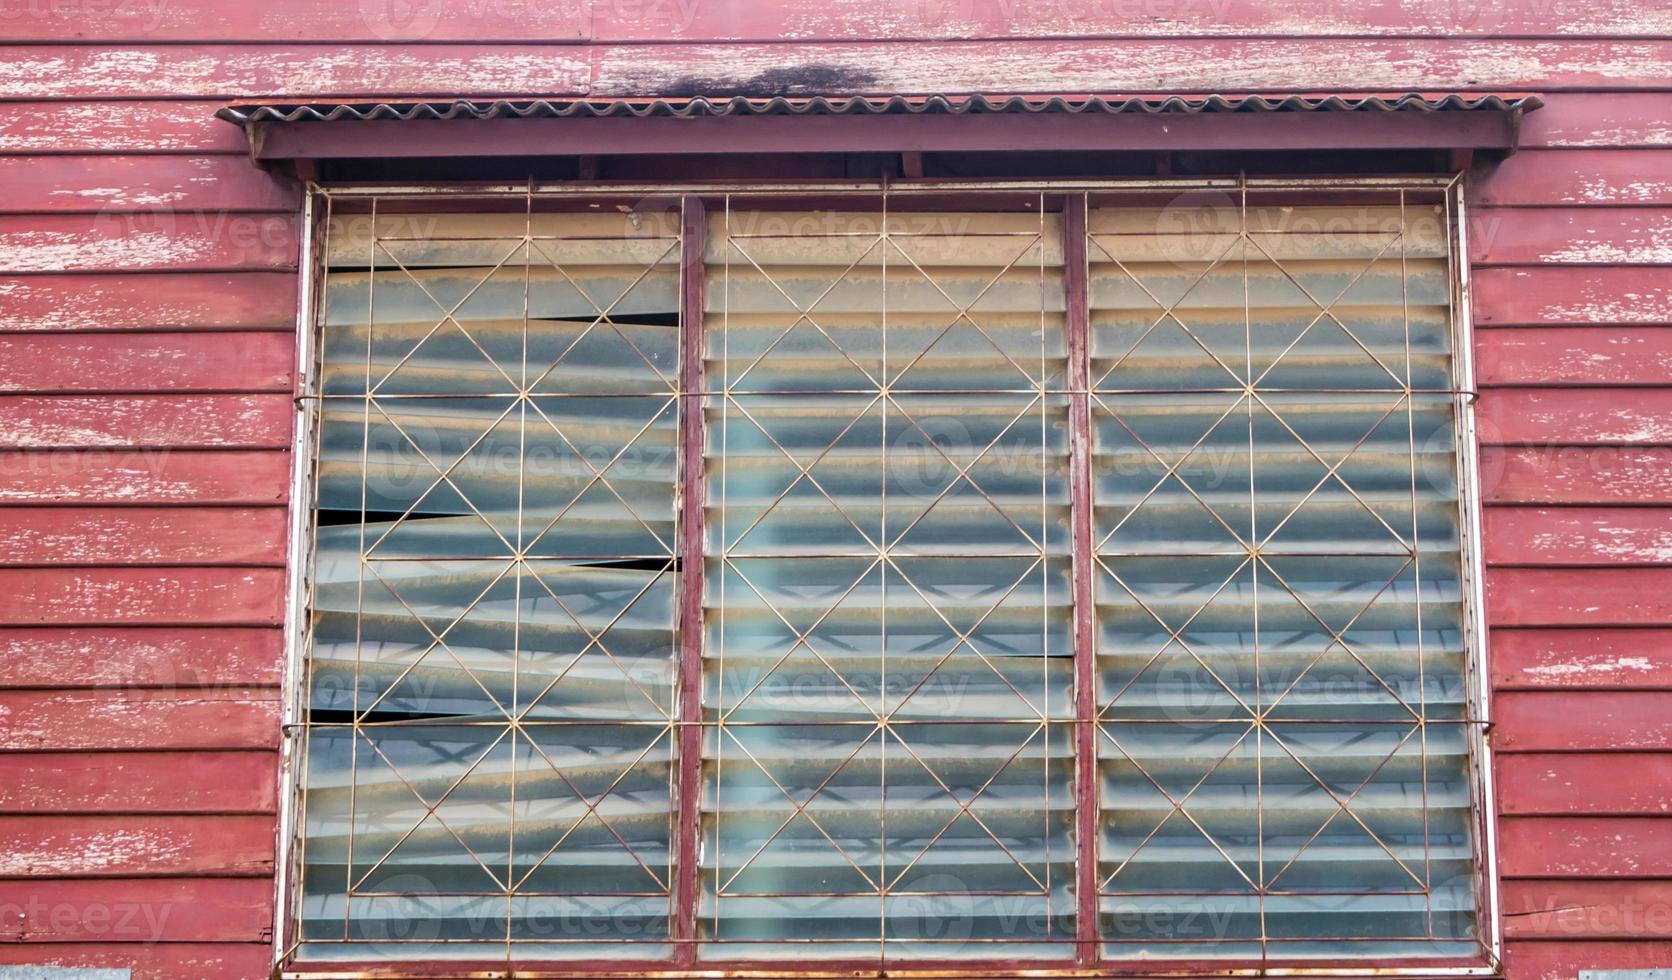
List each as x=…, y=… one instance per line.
x=1579, y=596
x=167, y=301
x=132, y=362
x=54, y=128
x=147, y=960
x=1594, y=119
x=163, y=596
x=1571, y=236
x=1575, y=416
x=138, y=913
x=1566, y=909
x=142, y=184
x=1578, y=536
x=1554, y=295
x=84, y=720
x=307, y=20
x=854, y=20
x=1574, y=356
x=1585, y=847
x=145, y=421
x=1580, y=659
x=202, y=71
x=143, y=476
x=143, y=536
x=807, y=20
x=1597, y=721
x=1576, y=475
x=161, y=241
x=138, y=782
x=132, y=846
x=1562, y=959
x=1237, y=65
x=140, y=657
x=223, y=71
x=1585, y=783
x=1588, y=177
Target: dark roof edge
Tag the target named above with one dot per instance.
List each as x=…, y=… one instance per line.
x=291, y=112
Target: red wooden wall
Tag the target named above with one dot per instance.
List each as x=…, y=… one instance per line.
x=147, y=303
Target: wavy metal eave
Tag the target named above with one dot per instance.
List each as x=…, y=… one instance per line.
x=699, y=106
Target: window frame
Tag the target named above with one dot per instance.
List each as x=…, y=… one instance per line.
x=1073, y=196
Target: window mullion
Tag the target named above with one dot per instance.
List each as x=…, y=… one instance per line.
x=688, y=823
x=1084, y=576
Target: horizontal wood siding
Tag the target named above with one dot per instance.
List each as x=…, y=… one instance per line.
x=147, y=349
x=147, y=313
x=1573, y=305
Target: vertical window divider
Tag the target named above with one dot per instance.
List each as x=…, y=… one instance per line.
x=1078, y=329
x=688, y=723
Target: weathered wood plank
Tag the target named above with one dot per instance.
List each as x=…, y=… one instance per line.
x=140, y=656
x=164, y=241
x=139, y=782
x=308, y=20
x=1575, y=416
x=1571, y=236
x=1575, y=177
x=144, y=959
x=143, y=476
x=43, y=128
x=1617, y=119
x=1535, y=959
x=1574, y=356
x=1561, y=909
x=206, y=71
x=86, y=721
x=1238, y=65
x=145, y=184
x=1585, y=783
x=866, y=20
x=132, y=421
x=1578, y=296
x=143, y=535
x=1571, y=659
x=129, y=845
x=1598, y=721
x=157, y=913
x=636, y=70
x=1585, y=847
x=164, y=596
x=174, y=301
x=1576, y=475
x=1578, y=536
x=1579, y=596
x=134, y=362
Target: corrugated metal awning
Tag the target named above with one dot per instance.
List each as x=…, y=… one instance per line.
x=699, y=106
x=894, y=123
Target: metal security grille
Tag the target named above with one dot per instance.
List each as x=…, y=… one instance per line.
x=1065, y=577
x=890, y=665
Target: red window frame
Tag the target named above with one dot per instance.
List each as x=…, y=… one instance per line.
x=1073, y=198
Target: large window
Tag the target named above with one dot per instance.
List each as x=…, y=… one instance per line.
x=1046, y=577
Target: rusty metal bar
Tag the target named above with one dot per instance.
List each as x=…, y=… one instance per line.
x=688, y=847
x=1084, y=581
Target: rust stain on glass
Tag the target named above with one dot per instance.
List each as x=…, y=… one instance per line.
x=1080, y=586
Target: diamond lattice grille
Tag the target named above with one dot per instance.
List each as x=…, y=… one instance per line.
x=889, y=664
x=1279, y=591
x=490, y=745
x=1034, y=579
